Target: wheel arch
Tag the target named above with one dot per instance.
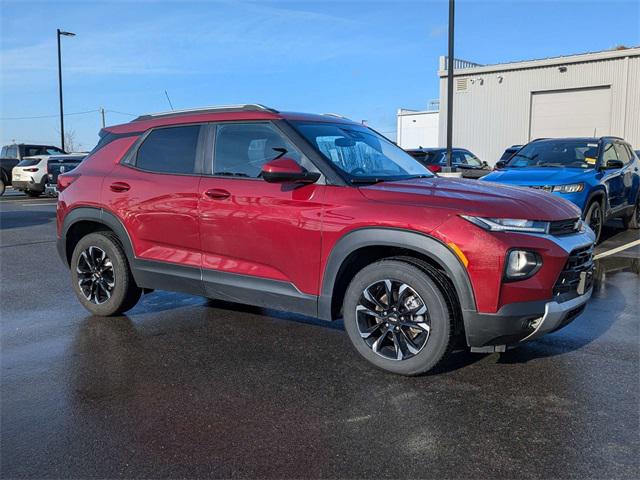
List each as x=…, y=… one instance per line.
x=599, y=194
x=84, y=220
x=374, y=241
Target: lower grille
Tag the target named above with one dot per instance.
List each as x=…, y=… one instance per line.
x=580, y=261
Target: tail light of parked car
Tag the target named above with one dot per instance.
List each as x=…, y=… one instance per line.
x=64, y=181
x=434, y=168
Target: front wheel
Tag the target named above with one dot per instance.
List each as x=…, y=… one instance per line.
x=397, y=318
x=101, y=276
x=595, y=218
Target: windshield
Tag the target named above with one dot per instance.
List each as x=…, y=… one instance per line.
x=361, y=154
x=556, y=153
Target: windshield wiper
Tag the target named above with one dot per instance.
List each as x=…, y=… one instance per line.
x=549, y=164
x=366, y=181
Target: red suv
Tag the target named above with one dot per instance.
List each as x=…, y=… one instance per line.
x=319, y=215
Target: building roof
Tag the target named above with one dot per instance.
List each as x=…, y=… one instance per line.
x=543, y=62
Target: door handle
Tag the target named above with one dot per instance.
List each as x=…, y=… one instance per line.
x=217, y=194
x=119, y=187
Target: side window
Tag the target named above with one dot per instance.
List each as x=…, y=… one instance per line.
x=608, y=153
x=241, y=149
x=622, y=153
x=472, y=160
x=458, y=158
x=12, y=152
x=169, y=150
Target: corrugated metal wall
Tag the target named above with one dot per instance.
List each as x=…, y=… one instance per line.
x=494, y=111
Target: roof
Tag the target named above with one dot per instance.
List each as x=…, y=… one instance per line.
x=241, y=112
x=543, y=62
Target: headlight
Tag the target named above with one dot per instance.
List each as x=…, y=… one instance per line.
x=521, y=264
x=509, y=224
x=571, y=188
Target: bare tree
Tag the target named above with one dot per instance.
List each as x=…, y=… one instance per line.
x=70, y=142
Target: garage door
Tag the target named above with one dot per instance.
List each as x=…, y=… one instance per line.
x=571, y=113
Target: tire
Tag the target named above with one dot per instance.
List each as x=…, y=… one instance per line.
x=378, y=332
x=633, y=220
x=106, y=289
x=3, y=187
x=32, y=193
x=594, y=217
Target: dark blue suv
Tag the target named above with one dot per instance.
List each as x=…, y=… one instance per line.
x=599, y=175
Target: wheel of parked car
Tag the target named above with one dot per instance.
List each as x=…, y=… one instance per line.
x=594, y=218
x=633, y=220
x=32, y=194
x=397, y=318
x=101, y=275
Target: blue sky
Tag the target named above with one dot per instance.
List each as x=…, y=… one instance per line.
x=363, y=59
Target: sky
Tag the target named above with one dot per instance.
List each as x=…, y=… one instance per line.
x=362, y=59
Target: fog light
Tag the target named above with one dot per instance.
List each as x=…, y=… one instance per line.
x=521, y=264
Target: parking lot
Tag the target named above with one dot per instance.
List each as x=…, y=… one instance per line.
x=187, y=387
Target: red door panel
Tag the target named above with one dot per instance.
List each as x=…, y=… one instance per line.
x=262, y=229
x=159, y=212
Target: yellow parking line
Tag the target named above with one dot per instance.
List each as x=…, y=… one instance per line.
x=616, y=250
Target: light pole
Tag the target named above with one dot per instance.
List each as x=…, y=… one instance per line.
x=66, y=34
x=450, y=87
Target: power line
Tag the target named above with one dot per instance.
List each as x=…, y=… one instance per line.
x=48, y=116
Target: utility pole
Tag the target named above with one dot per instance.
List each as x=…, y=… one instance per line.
x=102, y=115
x=450, y=63
x=60, y=33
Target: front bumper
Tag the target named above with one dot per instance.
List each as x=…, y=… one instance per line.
x=520, y=322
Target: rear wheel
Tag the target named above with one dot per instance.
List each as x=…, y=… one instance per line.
x=595, y=218
x=633, y=220
x=397, y=318
x=101, y=275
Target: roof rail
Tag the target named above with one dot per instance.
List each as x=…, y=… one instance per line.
x=242, y=107
x=337, y=115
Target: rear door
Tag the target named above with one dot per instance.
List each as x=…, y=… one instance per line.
x=257, y=235
x=154, y=192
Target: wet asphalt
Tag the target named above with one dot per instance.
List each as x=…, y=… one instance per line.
x=187, y=387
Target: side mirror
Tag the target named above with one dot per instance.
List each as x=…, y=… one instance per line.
x=500, y=164
x=286, y=170
x=613, y=164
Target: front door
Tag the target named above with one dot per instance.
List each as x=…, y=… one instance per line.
x=612, y=177
x=260, y=241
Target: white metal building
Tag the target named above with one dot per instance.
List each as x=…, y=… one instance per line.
x=417, y=128
x=495, y=106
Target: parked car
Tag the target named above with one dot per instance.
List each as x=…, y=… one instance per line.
x=57, y=165
x=436, y=158
x=508, y=153
x=319, y=215
x=599, y=175
x=13, y=154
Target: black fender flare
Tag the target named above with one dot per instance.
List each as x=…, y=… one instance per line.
x=394, y=237
x=598, y=192
x=97, y=215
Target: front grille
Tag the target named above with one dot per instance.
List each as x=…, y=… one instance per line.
x=564, y=227
x=580, y=260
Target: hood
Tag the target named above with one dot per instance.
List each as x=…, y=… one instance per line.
x=473, y=197
x=539, y=176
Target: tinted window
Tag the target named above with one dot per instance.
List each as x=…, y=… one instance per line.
x=241, y=149
x=622, y=152
x=28, y=163
x=169, y=150
x=427, y=158
x=12, y=152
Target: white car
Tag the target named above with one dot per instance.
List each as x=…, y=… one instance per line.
x=30, y=175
